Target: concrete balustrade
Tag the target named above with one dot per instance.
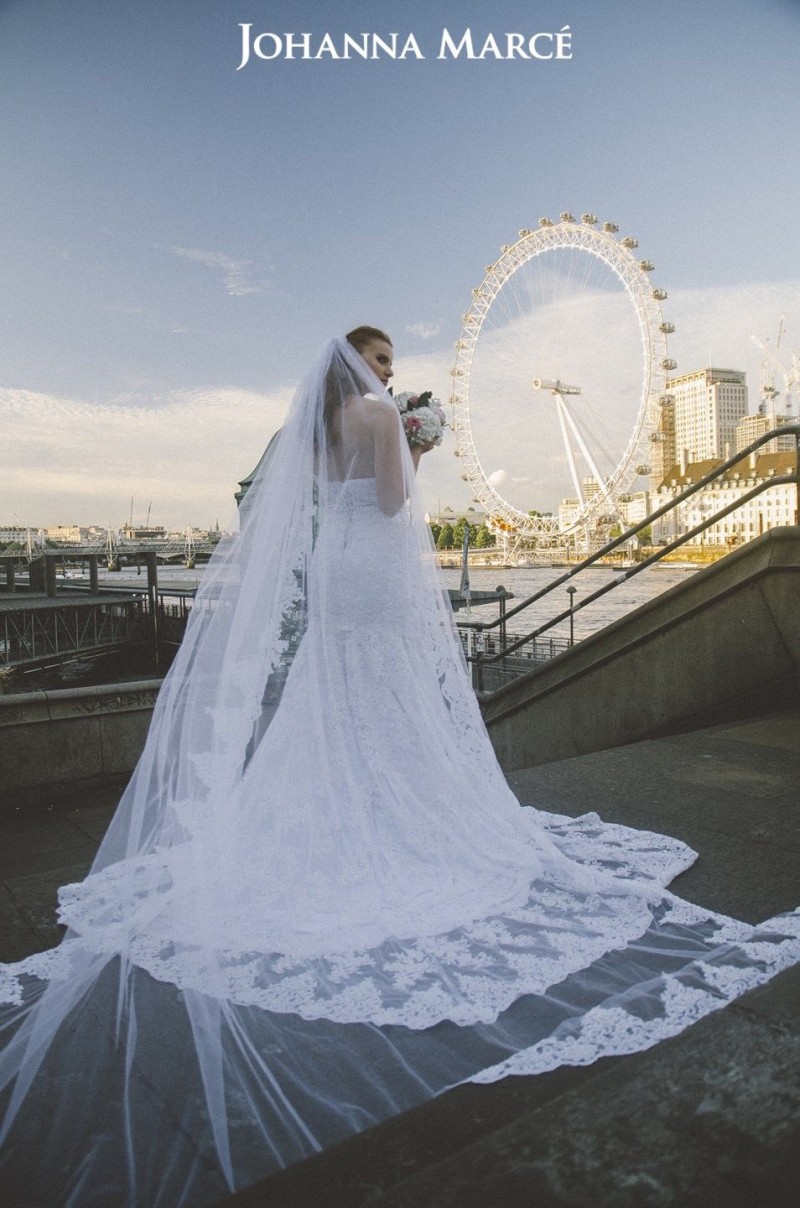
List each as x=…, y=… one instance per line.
x=71, y=735
x=723, y=645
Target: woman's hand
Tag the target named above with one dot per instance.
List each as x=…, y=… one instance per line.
x=418, y=450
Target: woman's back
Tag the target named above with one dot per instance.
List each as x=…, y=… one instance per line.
x=364, y=441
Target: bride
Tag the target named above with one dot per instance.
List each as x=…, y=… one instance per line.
x=319, y=903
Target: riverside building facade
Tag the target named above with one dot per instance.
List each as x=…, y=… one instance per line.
x=773, y=508
x=708, y=404
x=750, y=427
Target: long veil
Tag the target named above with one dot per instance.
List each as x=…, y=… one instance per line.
x=318, y=903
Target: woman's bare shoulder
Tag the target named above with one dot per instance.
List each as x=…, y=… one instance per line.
x=378, y=411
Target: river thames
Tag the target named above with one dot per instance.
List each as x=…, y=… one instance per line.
x=135, y=662
x=525, y=581
x=522, y=581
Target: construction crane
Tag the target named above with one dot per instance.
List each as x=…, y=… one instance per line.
x=791, y=378
x=769, y=369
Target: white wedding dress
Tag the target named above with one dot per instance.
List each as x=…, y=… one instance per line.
x=325, y=916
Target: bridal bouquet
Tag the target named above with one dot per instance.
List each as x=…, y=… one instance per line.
x=423, y=417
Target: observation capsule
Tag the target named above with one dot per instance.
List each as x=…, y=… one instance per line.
x=611, y=227
x=629, y=241
x=667, y=328
x=545, y=222
x=668, y=363
x=589, y=219
x=646, y=266
x=565, y=216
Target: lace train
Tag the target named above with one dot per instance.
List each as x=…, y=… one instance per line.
x=299, y=929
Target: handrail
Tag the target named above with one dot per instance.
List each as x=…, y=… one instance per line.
x=480, y=658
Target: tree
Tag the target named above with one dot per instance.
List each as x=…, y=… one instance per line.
x=445, y=538
x=484, y=537
x=458, y=532
x=435, y=531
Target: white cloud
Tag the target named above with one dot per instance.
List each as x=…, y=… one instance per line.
x=68, y=461
x=237, y=275
x=425, y=331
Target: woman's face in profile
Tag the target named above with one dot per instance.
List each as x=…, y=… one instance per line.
x=378, y=355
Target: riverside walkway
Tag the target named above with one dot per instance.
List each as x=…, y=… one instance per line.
x=709, y=1119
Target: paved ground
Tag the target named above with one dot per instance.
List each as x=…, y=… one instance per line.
x=710, y=1119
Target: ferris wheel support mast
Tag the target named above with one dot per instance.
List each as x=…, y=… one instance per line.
x=601, y=485
x=561, y=409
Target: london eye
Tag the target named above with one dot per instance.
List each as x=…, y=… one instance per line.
x=560, y=368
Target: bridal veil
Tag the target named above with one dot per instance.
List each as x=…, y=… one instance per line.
x=318, y=903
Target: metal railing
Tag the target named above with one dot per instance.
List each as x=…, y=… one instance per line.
x=85, y=618
x=488, y=651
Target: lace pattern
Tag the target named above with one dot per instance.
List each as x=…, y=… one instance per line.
x=319, y=903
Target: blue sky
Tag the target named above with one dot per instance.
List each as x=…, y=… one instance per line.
x=178, y=237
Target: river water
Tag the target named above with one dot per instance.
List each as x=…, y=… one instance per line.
x=135, y=663
x=522, y=581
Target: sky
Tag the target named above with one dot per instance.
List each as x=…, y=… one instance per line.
x=177, y=237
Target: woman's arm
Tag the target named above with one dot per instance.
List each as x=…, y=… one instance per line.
x=418, y=450
x=389, y=474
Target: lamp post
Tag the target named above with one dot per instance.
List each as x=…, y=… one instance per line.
x=571, y=593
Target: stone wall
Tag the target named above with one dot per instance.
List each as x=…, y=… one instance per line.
x=71, y=735
x=723, y=645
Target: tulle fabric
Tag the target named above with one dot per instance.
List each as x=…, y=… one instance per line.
x=319, y=903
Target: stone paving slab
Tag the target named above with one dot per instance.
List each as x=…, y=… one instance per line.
x=707, y=1120
x=42, y=847
x=731, y=792
x=710, y=1119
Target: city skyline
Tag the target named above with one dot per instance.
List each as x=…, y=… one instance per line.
x=138, y=510
x=179, y=237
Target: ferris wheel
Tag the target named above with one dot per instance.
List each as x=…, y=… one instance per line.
x=559, y=379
